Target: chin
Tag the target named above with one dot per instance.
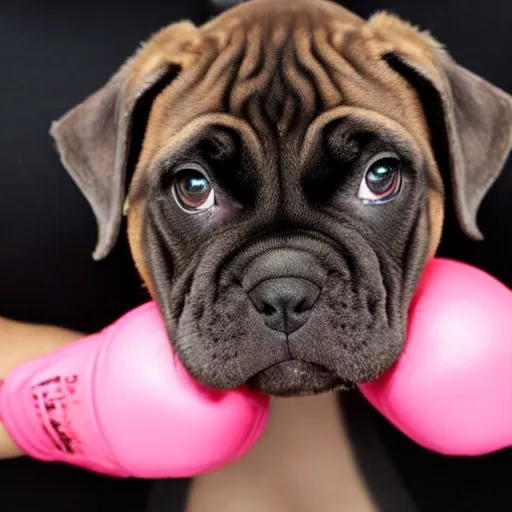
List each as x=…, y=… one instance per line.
x=297, y=378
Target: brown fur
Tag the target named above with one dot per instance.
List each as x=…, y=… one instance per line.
x=329, y=28
x=303, y=462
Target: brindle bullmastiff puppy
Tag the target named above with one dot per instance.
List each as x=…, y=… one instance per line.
x=283, y=170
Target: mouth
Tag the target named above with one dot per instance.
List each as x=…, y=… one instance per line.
x=297, y=378
x=288, y=316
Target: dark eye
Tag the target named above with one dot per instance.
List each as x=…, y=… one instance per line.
x=193, y=190
x=381, y=181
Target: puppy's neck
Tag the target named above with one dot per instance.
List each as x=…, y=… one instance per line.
x=303, y=462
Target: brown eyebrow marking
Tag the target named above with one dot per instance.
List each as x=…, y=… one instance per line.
x=275, y=71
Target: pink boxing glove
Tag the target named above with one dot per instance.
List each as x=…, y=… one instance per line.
x=451, y=389
x=120, y=403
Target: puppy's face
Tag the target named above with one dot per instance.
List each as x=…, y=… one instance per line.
x=287, y=187
x=285, y=255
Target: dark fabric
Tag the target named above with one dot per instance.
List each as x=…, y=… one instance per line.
x=53, y=54
x=388, y=488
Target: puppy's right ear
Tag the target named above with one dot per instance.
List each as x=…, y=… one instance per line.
x=470, y=119
x=98, y=138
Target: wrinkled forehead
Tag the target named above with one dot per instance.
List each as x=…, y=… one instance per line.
x=277, y=73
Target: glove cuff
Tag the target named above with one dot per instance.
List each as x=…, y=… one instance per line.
x=47, y=406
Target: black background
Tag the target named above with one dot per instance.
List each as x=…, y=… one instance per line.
x=52, y=55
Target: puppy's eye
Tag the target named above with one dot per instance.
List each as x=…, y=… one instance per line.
x=192, y=189
x=382, y=179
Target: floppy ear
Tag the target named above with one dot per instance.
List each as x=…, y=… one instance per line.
x=101, y=137
x=470, y=119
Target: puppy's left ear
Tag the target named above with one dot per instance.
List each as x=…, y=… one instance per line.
x=470, y=119
x=98, y=139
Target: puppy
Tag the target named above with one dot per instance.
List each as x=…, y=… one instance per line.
x=283, y=170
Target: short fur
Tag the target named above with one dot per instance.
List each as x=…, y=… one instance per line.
x=285, y=103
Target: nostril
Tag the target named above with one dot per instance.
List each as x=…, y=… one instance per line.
x=301, y=307
x=269, y=310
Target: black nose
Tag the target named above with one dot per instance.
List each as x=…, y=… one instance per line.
x=285, y=303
